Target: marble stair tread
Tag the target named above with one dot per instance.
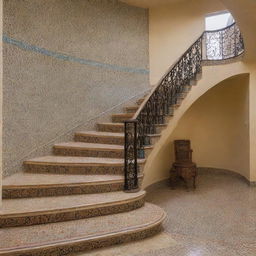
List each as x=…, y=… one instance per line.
x=122, y=117
x=24, y=179
x=131, y=109
x=102, y=137
x=91, y=146
x=154, y=135
x=122, y=124
x=103, y=134
x=111, y=127
x=25, y=206
x=78, y=235
x=162, y=125
x=113, y=124
x=129, y=115
x=79, y=161
x=139, y=102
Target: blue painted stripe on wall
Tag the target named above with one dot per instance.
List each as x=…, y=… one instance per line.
x=62, y=56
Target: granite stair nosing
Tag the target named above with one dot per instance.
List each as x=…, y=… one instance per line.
x=78, y=165
x=99, y=137
x=131, y=109
x=60, y=239
x=118, y=118
x=119, y=127
x=26, y=185
x=26, y=212
x=92, y=150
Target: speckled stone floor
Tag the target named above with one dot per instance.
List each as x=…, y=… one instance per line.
x=217, y=219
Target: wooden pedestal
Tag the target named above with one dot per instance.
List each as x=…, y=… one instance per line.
x=183, y=167
x=187, y=171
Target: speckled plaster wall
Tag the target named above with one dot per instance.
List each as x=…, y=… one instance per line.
x=1, y=102
x=46, y=96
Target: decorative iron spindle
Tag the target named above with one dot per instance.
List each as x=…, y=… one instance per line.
x=131, y=167
x=218, y=45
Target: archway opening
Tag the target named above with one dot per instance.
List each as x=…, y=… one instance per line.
x=218, y=126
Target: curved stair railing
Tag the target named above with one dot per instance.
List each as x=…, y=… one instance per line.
x=211, y=46
x=223, y=44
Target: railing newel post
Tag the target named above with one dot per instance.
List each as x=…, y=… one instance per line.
x=130, y=152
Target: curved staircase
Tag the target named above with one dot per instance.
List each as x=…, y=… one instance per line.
x=73, y=200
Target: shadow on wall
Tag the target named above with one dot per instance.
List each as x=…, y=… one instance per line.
x=218, y=126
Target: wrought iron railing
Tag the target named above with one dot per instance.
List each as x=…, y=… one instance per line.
x=223, y=44
x=211, y=45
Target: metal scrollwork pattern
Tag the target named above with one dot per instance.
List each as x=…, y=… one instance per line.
x=212, y=45
x=224, y=43
x=167, y=93
x=131, y=172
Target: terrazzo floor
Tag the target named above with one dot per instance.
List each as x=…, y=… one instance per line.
x=217, y=219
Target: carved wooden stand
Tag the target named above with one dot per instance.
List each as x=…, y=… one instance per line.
x=183, y=167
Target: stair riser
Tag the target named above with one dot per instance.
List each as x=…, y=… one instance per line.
x=178, y=102
x=110, y=128
x=41, y=191
x=159, y=129
x=139, y=102
x=182, y=95
x=38, y=191
x=194, y=81
x=100, y=140
x=154, y=140
x=167, y=119
x=93, y=153
x=131, y=109
x=88, y=153
x=66, y=169
x=120, y=119
x=88, y=244
x=70, y=214
x=187, y=89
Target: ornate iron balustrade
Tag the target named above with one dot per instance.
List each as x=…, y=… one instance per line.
x=131, y=171
x=211, y=45
x=223, y=44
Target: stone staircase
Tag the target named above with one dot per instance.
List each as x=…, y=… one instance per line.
x=73, y=200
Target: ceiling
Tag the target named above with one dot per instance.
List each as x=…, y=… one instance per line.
x=149, y=3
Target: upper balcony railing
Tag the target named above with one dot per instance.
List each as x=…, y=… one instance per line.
x=222, y=44
x=211, y=46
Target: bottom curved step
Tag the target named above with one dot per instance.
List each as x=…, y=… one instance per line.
x=35, y=211
x=81, y=235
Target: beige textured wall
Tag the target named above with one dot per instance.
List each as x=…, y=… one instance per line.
x=172, y=30
x=218, y=126
x=150, y=3
x=1, y=102
x=46, y=97
x=244, y=14
x=242, y=10
x=253, y=124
